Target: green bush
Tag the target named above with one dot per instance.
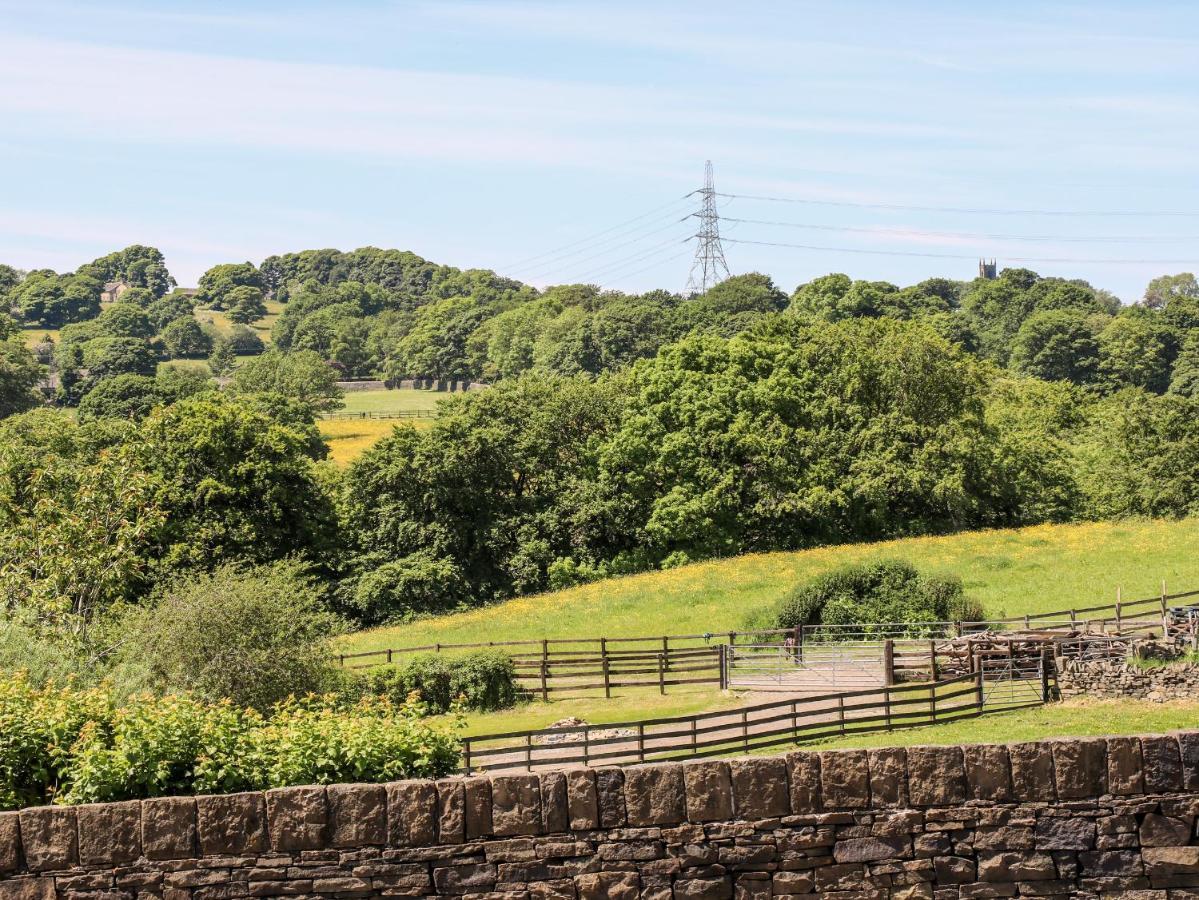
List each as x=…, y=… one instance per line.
x=887, y=591
x=252, y=635
x=65, y=745
x=484, y=680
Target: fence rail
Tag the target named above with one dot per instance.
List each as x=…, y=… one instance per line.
x=1150, y=614
x=397, y=414
x=747, y=728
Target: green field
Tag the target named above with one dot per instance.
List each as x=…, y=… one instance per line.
x=1012, y=572
x=222, y=324
x=1073, y=718
x=34, y=336
x=391, y=401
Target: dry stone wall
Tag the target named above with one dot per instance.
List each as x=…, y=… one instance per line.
x=1115, y=678
x=1109, y=817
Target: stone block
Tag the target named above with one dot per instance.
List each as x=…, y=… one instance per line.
x=515, y=805
x=1167, y=861
x=471, y=878
x=1188, y=745
x=888, y=776
x=1064, y=833
x=27, y=889
x=936, y=776
x=871, y=849
x=709, y=789
x=1162, y=764
x=655, y=795
x=760, y=787
x=1079, y=767
x=609, y=886
x=988, y=772
x=703, y=889
x=413, y=813
x=476, y=796
x=10, y=841
x=451, y=812
x=609, y=790
x=581, y=801
x=48, y=838
x=803, y=778
x=1165, y=831
x=555, y=813
x=357, y=814
x=231, y=824
x=169, y=827
x=110, y=834
x=1032, y=772
x=1124, y=766
x=845, y=779
x=297, y=818
x=1015, y=865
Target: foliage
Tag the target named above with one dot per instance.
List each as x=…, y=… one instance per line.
x=185, y=339
x=66, y=745
x=1056, y=345
x=245, y=304
x=251, y=635
x=136, y=265
x=886, y=591
x=483, y=680
x=301, y=375
x=19, y=376
x=218, y=283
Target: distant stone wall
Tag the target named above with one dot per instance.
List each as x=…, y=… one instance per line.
x=437, y=384
x=354, y=386
x=1086, y=818
x=1113, y=679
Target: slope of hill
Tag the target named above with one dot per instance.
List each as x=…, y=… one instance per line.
x=1012, y=572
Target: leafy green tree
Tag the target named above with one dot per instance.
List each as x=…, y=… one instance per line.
x=120, y=397
x=1165, y=289
x=136, y=265
x=185, y=339
x=1135, y=351
x=219, y=282
x=233, y=483
x=1057, y=345
x=302, y=375
x=20, y=374
x=735, y=303
x=124, y=320
x=176, y=382
x=9, y=279
x=1184, y=377
x=165, y=310
x=222, y=358
x=245, y=304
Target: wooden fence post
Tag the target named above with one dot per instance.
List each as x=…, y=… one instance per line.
x=640, y=742
x=932, y=703
x=744, y=730
x=980, y=696
x=841, y=712
x=666, y=650
x=607, y=676
x=1046, y=662
x=466, y=754
x=794, y=721
x=722, y=660
x=389, y=656
x=888, y=662
x=545, y=678
x=662, y=673
x=887, y=704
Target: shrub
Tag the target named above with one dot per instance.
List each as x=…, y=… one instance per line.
x=887, y=591
x=484, y=680
x=252, y=635
x=66, y=745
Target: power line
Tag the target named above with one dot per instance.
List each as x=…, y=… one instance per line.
x=1025, y=259
x=1086, y=239
x=542, y=271
x=616, y=264
x=657, y=262
x=709, y=254
x=969, y=210
x=597, y=234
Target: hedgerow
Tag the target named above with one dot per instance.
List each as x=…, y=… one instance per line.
x=484, y=680
x=71, y=745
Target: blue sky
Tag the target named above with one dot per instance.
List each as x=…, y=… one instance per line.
x=485, y=134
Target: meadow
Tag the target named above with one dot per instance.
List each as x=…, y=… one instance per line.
x=350, y=438
x=1012, y=572
x=222, y=324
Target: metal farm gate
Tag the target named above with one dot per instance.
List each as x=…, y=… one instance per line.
x=809, y=668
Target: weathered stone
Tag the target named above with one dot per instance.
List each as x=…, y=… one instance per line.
x=609, y=790
x=703, y=889
x=581, y=800
x=231, y=824
x=869, y=849
x=607, y=886
x=936, y=776
x=709, y=789
x=1165, y=831
x=1163, y=764
x=27, y=889
x=954, y=870
x=169, y=827
x=988, y=772
x=1015, y=865
x=1124, y=766
x=515, y=805
x=476, y=798
x=297, y=818
x=1162, y=861
x=1080, y=767
x=358, y=814
x=466, y=879
x=1032, y=772
x=48, y=838
x=1188, y=746
x=451, y=811
x=10, y=841
x=110, y=834
x=888, y=777
x=1062, y=833
x=803, y=778
x=845, y=779
x=555, y=813
x=655, y=795
x=760, y=787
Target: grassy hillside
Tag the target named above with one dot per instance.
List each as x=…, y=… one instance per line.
x=399, y=400
x=350, y=438
x=1012, y=572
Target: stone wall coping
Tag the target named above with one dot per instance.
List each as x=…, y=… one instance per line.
x=457, y=810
